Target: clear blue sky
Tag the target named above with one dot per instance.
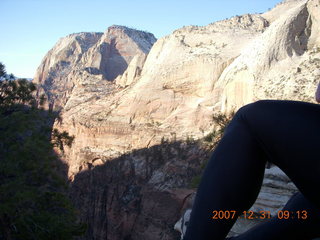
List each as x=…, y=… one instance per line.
x=30, y=28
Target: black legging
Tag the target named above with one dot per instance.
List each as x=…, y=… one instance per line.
x=285, y=133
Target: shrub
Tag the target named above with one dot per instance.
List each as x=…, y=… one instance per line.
x=212, y=139
x=221, y=121
x=33, y=199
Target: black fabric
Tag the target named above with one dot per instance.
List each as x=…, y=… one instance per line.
x=282, y=132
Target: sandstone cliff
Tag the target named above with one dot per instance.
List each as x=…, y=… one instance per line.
x=190, y=74
x=121, y=91
x=139, y=195
x=55, y=75
x=102, y=56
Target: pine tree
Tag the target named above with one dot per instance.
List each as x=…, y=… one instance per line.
x=15, y=91
x=33, y=197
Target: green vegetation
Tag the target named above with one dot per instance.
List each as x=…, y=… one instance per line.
x=33, y=200
x=61, y=139
x=212, y=139
x=221, y=121
x=14, y=91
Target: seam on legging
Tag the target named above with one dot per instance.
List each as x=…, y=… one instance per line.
x=259, y=141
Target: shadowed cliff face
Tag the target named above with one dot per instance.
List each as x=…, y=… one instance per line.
x=139, y=195
x=142, y=194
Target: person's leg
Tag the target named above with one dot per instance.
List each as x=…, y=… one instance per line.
x=282, y=132
x=298, y=220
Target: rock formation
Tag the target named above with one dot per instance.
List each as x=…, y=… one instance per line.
x=96, y=55
x=55, y=75
x=139, y=195
x=122, y=91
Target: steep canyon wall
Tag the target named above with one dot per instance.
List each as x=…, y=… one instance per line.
x=123, y=90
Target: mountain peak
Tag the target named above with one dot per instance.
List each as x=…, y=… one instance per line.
x=143, y=39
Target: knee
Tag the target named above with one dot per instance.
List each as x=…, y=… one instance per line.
x=245, y=113
x=254, y=112
x=254, y=107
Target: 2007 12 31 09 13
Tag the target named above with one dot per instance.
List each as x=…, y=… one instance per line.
x=250, y=215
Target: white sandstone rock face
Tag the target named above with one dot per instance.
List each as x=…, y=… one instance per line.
x=115, y=50
x=173, y=90
x=56, y=73
x=314, y=9
x=268, y=58
x=133, y=71
x=89, y=58
x=172, y=97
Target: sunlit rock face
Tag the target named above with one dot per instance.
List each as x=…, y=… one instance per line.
x=56, y=74
x=123, y=90
x=172, y=88
x=101, y=56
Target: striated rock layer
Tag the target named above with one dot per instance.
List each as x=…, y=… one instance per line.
x=122, y=90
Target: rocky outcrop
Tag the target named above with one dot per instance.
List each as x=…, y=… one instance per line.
x=138, y=195
x=276, y=190
x=98, y=56
x=115, y=50
x=262, y=71
x=118, y=94
x=56, y=74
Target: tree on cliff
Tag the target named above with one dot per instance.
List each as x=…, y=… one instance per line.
x=60, y=139
x=15, y=91
x=33, y=200
x=212, y=139
x=221, y=122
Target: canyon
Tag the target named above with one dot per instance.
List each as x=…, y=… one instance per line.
x=139, y=106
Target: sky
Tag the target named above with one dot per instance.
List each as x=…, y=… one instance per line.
x=30, y=28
